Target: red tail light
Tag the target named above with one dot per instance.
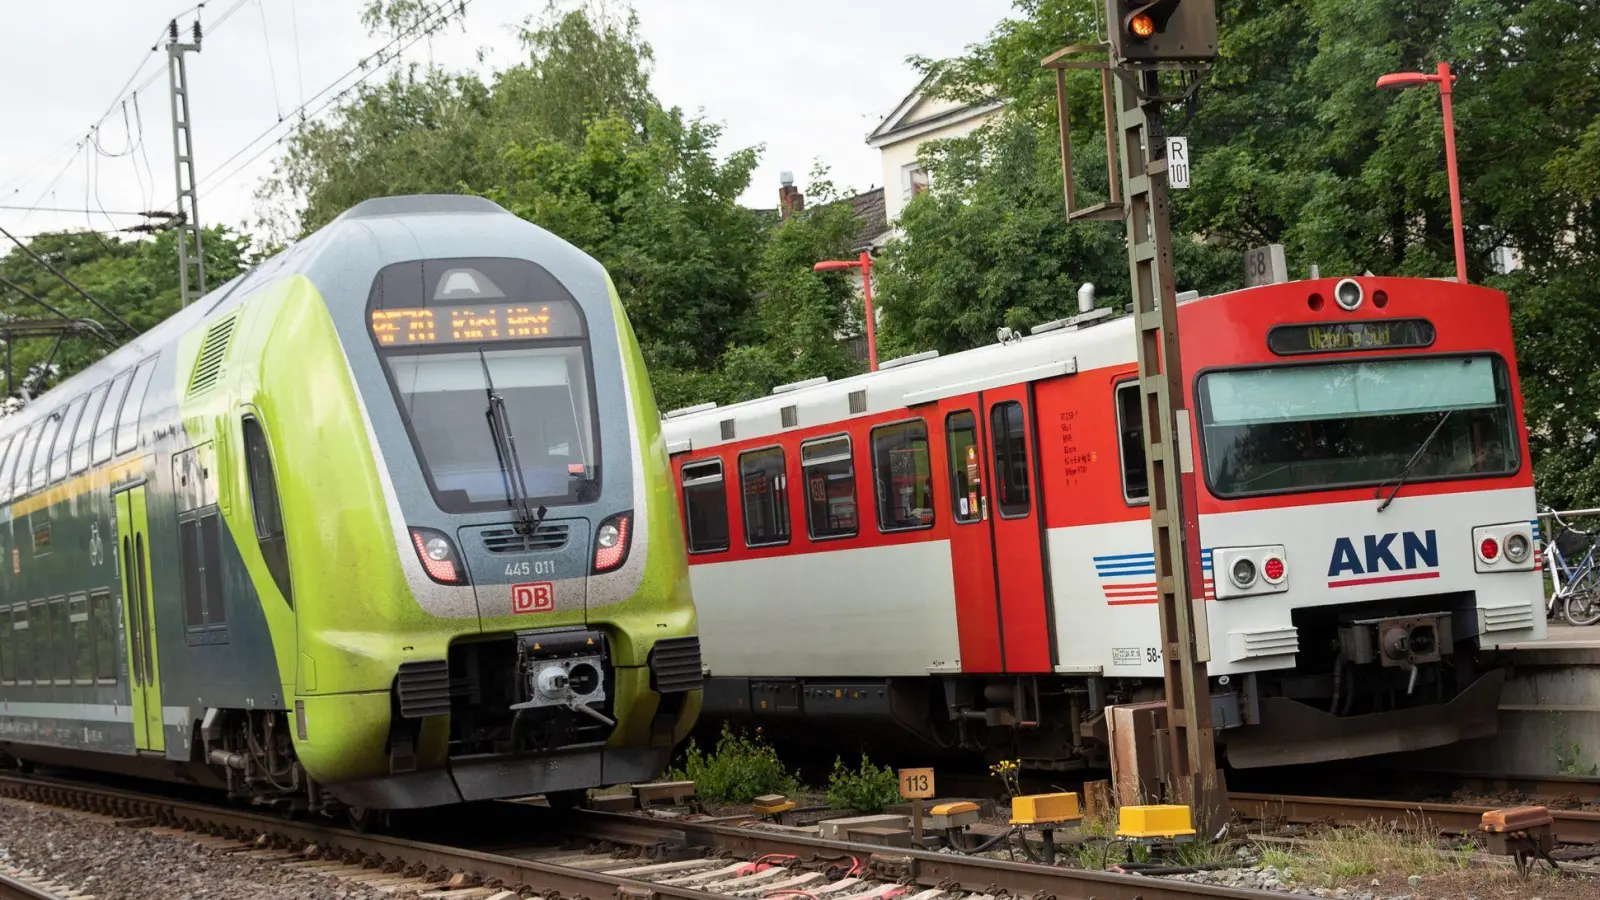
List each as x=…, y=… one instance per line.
x=611, y=542
x=438, y=556
x=1273, y=569
x=1489, y=549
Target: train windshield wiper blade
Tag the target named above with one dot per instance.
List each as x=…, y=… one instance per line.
x=505, y=451
x=1400, y=477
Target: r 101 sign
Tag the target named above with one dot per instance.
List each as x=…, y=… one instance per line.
x=1178, y=162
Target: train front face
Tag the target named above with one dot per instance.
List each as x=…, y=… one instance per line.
x=532, y=629
x=1366, y=503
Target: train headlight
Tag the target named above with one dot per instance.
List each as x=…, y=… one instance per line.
x=438, y=556
x=1348, y=294
x=1517, y=547
x=1243, y=572
x=611, y=541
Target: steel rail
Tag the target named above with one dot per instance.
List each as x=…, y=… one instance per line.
x=1572, y=826
x=16, y=889
x=685, y=839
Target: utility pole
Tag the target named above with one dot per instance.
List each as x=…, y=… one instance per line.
x=191, y=261
x=1146, y=39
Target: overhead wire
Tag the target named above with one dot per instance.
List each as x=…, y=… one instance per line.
x=69, y=282
x=272, y=70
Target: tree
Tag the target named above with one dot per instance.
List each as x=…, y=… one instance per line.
x=137, y=280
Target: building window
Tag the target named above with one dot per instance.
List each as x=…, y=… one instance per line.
x=966, y=469
x=913, y=181
x=902, y=475
x=1130, y=439
x=264, y=502
x=830, y=478
x=765, y=486
x=1010, y=438
x=705, y=506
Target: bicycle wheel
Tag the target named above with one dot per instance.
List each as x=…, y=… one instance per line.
x=1583, y=607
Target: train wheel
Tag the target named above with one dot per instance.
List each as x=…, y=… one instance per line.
x=364, y=820
x=566, y=800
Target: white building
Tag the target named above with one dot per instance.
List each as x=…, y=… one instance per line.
x=918, y=118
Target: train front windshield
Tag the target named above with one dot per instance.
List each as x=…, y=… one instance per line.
x=1350, y=424
x=490, y=367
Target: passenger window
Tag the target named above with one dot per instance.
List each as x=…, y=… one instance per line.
x=103, y=616
x=705, y=506
x=200, y=554
x=80, y=440
x=1010, y=440
x=19, y=448
x=41, y=455
x=22, y=643
x=69, y=426
x=108, y=417
x=128, y=418
x=8, y=660
x=268, y=512
x=82, y=639
x=830, y=477
x=60, y=648
x=765, y=486
x=903, y=477
x=1130, y=440
x=966, y=469
x=39, y=643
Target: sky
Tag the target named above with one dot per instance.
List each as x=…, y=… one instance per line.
x=805, y=78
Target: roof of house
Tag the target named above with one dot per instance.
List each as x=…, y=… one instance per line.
x=870, y=209
x=902, y=122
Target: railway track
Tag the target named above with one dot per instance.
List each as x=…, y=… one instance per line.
x=13, y=887
x=648, y=858
x=1571, y=826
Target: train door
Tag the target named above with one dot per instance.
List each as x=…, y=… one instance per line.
x=1017, y=520
x=139, y=616
x=995, y=536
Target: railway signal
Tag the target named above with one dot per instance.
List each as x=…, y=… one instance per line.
x=1152, y=31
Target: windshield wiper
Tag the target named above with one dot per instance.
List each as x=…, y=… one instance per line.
x=505, y=450
x=1405, y=471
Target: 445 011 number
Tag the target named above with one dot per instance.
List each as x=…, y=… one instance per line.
x=526, y=567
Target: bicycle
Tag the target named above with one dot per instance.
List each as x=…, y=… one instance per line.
x=1577, y=587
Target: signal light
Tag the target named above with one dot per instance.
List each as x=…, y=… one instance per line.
x=438, y=556
x=1163, y=30
x=1142, y=26
x=611, y=542
x=1489, y=549
x=1273, y=569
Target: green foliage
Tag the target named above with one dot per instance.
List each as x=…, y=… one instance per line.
x=867, y=789
x=741, y=769
x=1569, y=754
x=137, y=280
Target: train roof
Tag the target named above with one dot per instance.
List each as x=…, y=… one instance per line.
x=1094, y=340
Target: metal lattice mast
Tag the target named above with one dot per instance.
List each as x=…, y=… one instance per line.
x=191, y=260
x=1180, y=581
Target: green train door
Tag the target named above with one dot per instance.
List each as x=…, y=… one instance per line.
x=139, y=614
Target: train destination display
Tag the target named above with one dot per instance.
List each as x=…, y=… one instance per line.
x=475, y=324
x=1333, y=337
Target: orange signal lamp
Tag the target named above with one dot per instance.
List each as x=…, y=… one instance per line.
x=1142, y=25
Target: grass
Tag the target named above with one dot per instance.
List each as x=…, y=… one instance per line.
x=1334, y=855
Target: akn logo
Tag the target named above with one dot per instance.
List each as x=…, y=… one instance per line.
x=1396, y=556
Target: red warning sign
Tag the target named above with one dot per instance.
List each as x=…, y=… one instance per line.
x=533, y=597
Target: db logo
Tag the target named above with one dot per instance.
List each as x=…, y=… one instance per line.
x=534, y=597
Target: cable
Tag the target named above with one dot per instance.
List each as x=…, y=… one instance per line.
x=272, y=70
x=299, y=72
x=41, y=301
x=68, y=209
x=70, y=283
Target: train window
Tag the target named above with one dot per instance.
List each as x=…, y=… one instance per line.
x=211, y=543
x=1130, y=439
x=903, y=477
x=103, y=616
x=78, y=627
x=128, y=418
x=13, y=447
x=705, y=504
x=8, y=660
x=1010, y=440
x=80, y=440
x=766, y=497
x=60, y=651
x=966, y=470
x=19, y=448
x=41, y=456
x=200, y=554
x=22, y=643
x=69, y=427
x=830, y=478
x=264, y=503
x=108, y=416
x=39, y=642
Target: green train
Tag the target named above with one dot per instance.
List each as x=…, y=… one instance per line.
x=386, y=522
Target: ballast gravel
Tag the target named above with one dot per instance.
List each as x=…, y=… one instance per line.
x=116, y=863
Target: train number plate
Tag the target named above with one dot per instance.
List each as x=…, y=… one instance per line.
x=533, y=597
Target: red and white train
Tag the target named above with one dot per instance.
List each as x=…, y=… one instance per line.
x=961, y=544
